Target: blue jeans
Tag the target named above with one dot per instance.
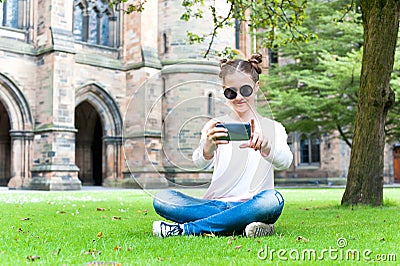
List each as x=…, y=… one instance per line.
x=200, y=216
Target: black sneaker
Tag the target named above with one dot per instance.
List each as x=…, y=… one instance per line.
x=258, y=229
x=163, y=229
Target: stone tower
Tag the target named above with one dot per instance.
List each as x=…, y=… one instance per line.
x=177, y=100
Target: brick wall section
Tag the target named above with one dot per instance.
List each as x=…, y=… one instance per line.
x=41, y=25
x=61, y=14
x=131, y=38
x=185, y=110
x=44, y=91
x=22, y=70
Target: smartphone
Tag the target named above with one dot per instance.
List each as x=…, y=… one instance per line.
x=236, y=131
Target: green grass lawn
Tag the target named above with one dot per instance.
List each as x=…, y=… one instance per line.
x=76, y=228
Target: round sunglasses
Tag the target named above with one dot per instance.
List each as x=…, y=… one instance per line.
x=231, y=93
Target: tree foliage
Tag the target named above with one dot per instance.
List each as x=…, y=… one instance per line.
x=130, y=7
x=275, y=22
x=316, y=91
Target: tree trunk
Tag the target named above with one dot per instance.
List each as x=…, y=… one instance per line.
x=365, y=177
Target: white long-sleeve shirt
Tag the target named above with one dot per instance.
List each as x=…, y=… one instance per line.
x=241, y=173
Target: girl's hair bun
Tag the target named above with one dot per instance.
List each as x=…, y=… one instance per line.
x=254, y=61
x=223, y=62
x=250, y=66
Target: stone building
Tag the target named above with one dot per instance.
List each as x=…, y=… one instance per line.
x=324, y=160
x=79, y=79
x=92, y=96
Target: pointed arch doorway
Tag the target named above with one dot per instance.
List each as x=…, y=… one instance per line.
x=92, y=100
x=5, y=146
x=89, y=144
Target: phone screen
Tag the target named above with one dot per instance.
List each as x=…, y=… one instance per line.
x=236, y=131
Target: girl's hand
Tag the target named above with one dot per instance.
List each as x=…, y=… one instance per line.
x=211, y=143
x=257, y=141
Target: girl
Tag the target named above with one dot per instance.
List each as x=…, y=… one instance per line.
x=241, y=196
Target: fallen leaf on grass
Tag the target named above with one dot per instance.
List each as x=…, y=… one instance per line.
x=25, y=219
x=238, y=247
x=56, y=252
x=115, y=218
x=144, y=212
x=33, y=258
x=60, y=212
x=101, y=209
x=208, y=234
x=117, y=248
x=301, y=238
x=99, y=234
x=93, y=252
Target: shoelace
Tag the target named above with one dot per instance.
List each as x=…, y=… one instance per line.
x=170, y=230
x=262, y=231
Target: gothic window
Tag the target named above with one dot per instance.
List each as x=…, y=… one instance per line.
x=9, y=14
x=237, y=34
x=104, y=26
x=95, y=23
x=165, y=42
x=309, y=149
x=304, y=149
x=93, y=26
x=78, y=21
x=315, y=150
x=272, y=57
x=210, y=105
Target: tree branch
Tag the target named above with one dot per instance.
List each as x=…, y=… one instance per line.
x=343, y=135
x=217, y=25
